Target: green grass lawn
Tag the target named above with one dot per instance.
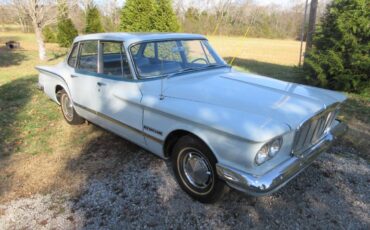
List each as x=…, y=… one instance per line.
x=25, y=114
x=32, y=125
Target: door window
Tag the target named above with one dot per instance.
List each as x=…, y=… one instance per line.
x=88, y=56
x=115, y=63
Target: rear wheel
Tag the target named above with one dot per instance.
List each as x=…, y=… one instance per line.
x=68, y=111
x=194, y=166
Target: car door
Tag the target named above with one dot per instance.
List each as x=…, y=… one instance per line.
x=84, y=81
x=120, y=95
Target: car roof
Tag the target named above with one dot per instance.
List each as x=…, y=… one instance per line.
x=130, y=38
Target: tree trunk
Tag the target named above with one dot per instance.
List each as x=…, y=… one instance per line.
x=40, y=43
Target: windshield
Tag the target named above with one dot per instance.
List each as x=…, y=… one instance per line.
x=159, y=58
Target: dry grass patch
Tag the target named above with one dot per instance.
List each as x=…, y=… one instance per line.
x=274, y=51
x=44, y=172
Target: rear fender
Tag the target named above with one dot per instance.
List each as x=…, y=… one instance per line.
x=50, y=80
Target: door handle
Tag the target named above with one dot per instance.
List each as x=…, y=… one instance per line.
x=72, y=76
x=101, y=84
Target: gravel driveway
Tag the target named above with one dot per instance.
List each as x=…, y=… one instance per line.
x=129, y=188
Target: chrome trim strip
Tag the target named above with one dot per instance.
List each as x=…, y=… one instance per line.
x=276, y=178
x=47, y=72
x=119, y=123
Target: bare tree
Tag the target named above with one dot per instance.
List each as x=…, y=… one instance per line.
x=85, y=4
x=221, y=7
x=111, y=14
x=180, y=9
x=77, y=14
x=12, y=13
x=42, y=13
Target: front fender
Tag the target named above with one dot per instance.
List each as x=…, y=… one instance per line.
x=231, y=144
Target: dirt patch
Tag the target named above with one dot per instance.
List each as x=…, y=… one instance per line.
x=22, y=174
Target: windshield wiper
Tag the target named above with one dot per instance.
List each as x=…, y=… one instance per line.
x=187, y=69
x=217, y=65
x=179, y=72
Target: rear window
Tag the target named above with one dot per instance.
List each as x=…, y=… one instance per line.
x=73, y=56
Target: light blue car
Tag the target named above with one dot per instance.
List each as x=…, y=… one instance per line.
x=175, y=96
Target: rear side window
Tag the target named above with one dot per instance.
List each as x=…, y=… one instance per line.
x=88, y=56
x=73, y=56
x=115, y=62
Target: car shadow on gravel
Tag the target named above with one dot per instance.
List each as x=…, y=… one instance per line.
x=127, y=187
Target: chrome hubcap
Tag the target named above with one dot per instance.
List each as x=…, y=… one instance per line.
x=67, y=107
x=197, y=170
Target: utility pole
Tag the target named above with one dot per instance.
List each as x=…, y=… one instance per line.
x=302, y=33
x=311, y=24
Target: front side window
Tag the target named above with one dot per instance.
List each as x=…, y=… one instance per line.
x=73, y=56
x=158, y=58
x=149, y=51
x=114, y=61
x=88, y=59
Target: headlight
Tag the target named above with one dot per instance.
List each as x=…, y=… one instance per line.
x=262, y=155
x=268, y=150
x=275, y=147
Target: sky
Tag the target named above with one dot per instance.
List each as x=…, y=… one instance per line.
x=277, y=2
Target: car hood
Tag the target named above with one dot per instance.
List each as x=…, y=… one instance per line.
x=275, y=100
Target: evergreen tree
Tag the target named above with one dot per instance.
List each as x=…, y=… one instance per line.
x=165, y=18
x=138, y=16
x=340, y=57
x=49, y=34
x=66, y=31
x=93, y=22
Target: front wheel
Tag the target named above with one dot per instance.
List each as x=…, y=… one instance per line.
x=68, y=111
x=194, y=166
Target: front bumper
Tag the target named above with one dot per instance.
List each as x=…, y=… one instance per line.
x=280, y=175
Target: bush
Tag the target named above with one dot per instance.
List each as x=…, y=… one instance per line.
x=93, y=22
x=165, y=18
x=340, y=57
x=138, y=16
x=49, y=34
x=66, y=30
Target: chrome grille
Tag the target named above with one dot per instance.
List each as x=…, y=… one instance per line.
x=311, y=131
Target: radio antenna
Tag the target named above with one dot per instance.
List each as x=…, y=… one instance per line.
x=161, y=96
